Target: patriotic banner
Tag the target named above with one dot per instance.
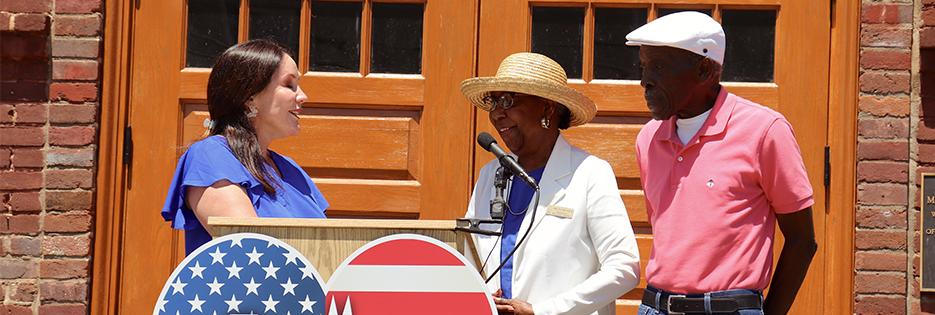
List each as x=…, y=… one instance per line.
x=407, y=274
x=243, y=273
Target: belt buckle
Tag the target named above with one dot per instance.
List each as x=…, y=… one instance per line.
x=669, y=304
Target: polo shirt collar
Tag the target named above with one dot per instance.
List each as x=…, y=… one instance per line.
x=714, y=125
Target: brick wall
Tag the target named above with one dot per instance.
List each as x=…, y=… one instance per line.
x=896, y=143
x=883, y=152
x=50, y=64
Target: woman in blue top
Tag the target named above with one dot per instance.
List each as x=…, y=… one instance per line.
x=253, y=99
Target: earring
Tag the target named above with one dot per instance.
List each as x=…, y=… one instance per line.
x=208, y=123
x=544, y=122
x=252, y=113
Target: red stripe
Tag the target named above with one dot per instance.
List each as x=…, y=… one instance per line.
x=411, y=303
x=406, y=252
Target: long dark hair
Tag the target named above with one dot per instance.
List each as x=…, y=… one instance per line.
x=241, y=72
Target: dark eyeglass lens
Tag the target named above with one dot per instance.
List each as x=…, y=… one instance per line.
x=504, y=101
x=489, y=100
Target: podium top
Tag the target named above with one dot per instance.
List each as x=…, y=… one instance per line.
x=334, y=223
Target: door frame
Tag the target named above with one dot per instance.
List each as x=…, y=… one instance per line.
x=111, y=172
x=842, y=139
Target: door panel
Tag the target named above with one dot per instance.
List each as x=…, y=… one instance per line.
x=803, y=40
x=368, y=140
x=796, y=86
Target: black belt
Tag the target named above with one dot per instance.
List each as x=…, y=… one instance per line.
x=678, y=304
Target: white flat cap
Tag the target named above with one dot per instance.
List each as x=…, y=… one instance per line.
x=689, y=30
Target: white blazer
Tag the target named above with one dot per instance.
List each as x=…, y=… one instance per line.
x=573, y=262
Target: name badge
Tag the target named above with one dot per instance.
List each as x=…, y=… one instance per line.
x=561, y=212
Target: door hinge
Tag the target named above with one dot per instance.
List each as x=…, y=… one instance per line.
x=827, y=166
x=127, y=145
x=833, y=3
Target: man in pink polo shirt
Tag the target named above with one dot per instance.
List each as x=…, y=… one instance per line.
x=718, y=172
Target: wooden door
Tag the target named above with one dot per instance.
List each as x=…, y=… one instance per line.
x=777, y=56
x=385, y=132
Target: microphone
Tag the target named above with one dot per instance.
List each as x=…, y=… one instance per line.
x=487, y=142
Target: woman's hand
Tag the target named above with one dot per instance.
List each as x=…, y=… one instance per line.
x=511, y=306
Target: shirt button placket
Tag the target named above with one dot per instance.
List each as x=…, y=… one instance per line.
x=676, y=169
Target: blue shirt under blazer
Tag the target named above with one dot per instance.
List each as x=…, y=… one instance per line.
x=519, y=196
x=211, y=160
x=581, y=254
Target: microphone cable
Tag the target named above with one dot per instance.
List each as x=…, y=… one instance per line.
x=484, y=266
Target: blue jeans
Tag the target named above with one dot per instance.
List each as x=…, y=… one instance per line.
x=649, y=310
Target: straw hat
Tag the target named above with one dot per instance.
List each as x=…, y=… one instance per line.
x=533, y=74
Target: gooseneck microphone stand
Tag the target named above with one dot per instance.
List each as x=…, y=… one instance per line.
x=497, y=204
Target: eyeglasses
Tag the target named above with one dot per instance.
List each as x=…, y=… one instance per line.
x=504, y=101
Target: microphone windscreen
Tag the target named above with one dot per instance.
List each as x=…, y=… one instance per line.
x=485, y=139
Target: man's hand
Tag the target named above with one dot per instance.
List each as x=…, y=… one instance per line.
x=797, y=253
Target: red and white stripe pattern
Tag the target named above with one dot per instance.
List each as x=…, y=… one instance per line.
x=407, y=274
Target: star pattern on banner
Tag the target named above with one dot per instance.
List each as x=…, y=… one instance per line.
x=243, y=274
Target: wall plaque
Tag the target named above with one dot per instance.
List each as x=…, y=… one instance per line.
x=928, y=232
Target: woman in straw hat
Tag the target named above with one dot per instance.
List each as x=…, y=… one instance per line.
x=580, y=254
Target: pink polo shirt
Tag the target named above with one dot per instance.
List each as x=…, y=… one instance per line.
x=713, y=202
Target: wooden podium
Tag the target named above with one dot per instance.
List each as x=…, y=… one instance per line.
x=327, y=242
